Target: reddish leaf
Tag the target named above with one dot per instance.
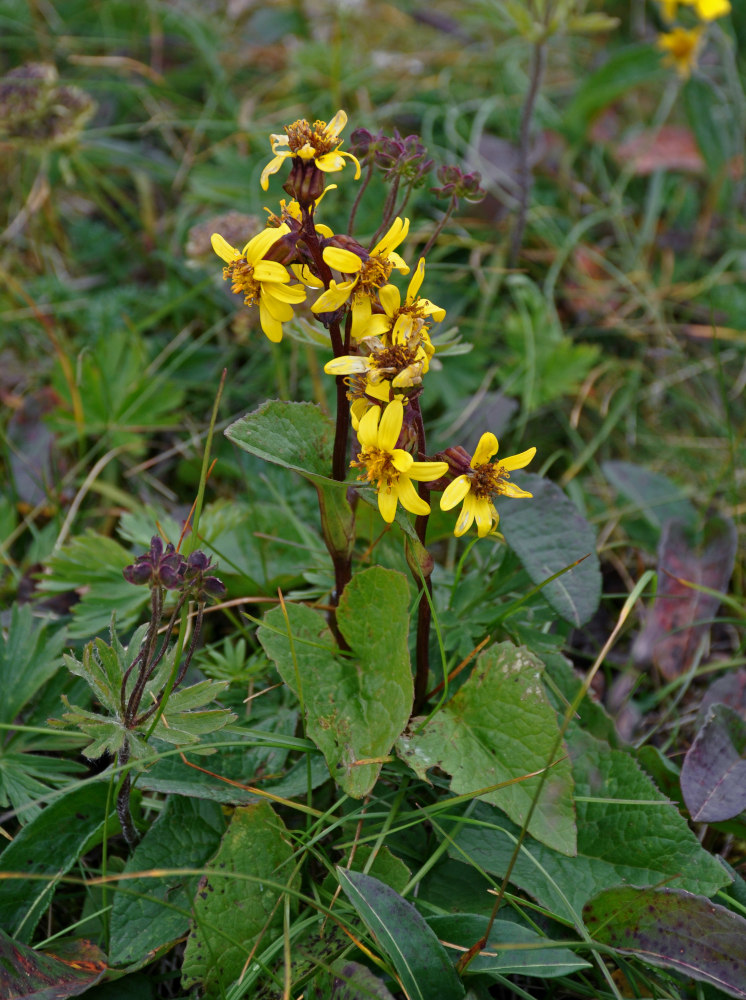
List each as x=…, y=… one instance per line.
x=672, y=147
x=69, y=968
x=673, y=929
x=681, y=614
x=713, y=776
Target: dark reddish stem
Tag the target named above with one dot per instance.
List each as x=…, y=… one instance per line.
x=424, y=613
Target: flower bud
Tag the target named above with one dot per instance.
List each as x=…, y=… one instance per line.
x=305, y=183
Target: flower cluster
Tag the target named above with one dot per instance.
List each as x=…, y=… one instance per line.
x=380, y=337
x=681, y=45
x=162, y=566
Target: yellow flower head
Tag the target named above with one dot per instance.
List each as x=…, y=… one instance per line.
x=706, y=10
x=318, y=142
x=478, y=487
x=371, y=273
x=399, y=320
x=392, y=469
x=400, y=364
x=681, y=47
x=709, y=10
x=262, y=282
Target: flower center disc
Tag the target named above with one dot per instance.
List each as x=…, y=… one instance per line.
x=241, y=275
x=301, y=133
x=377, y=465
x=487, y=480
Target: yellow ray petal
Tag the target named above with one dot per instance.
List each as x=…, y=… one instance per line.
x=390, y=426
x=342, y=260
x=455, y=492
x=518, y=461
x=425, y=472
x=387, y=501
x=486, y=448
x=271, y=326
x=348, y=365
x=367, y=432
x=223, y=249
x=409, y=498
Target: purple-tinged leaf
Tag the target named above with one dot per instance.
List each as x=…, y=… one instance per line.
x=730, y=690
x=681, y=613
x=67, y=970
x=673, y=929
x=713, y=776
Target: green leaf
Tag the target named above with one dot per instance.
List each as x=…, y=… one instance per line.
x=69, y=968
x=300, y=437
x=710, y=120
x=676, y=930
x=29, y=657
x=297, y=436
x=356, y=704
x=656, y=496
x=239, y=764
x=151, y=912
x=48, y=847
x=497, y=728
x=627, y=831
x=626, y=68
x=418, y=957
x=230, y=913
x=510, y=947
x=386, y=867
x=549, y=533
x=93, y=564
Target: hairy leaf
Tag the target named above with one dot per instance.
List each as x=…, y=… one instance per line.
x=498, y=728
x=230, y=913
x=655, y=496
x=627, y=832
x=680, y=615
x=154, y=911
x=356, y=704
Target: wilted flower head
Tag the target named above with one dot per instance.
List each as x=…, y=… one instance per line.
x=199, y=581
x=160, y=566
x=35, y=107
x=457, y=184
x=395, y=156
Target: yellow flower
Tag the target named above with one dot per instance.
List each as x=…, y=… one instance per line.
x=400, y=364
x=398, y=321
x=318, y=142
x=392, y=469
x=371, y=274
x=261, y=281
x=478, y=487
x=681, y=47
x=706, y=10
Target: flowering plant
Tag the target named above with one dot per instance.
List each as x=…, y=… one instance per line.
x=381, y=344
